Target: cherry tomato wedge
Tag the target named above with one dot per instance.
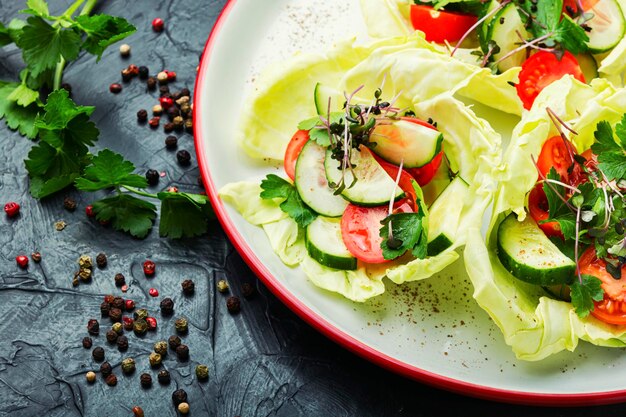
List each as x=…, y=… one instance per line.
x=440, y=26
x=555, y=153
x=541, y=70
x=573, y=5
x=297, y=142
x=538, y=207
x=425, y=174
x=612, y=309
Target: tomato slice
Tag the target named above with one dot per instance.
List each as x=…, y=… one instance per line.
x=297, y=142
x=555, y=153
x=612, y=309
x=538, y=207
x=405, y=183
x=573, y=5
x=541, y=70
x=440, y=26
x=425, y=174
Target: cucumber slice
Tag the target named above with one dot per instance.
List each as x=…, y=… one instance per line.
x=373, y=187
x=527, y=253
x=324, y=243
x=322, y=93
x=311, y=182
x=406, y=141
x=588, y=65
x=607, y=26
x=445, y=214
x=503, y=30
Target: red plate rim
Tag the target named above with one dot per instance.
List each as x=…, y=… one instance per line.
x=326, y=328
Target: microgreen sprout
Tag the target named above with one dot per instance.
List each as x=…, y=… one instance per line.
x=391, y=241
x=478, y=23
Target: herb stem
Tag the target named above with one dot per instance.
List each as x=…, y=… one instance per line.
x=88, y=7
x=524, y=46
x=139, y=192
x=580, y=278
x=72, y=9
x=58, y=74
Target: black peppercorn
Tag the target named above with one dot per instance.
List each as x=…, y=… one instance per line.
x=179, y=396
x=119, y=280
x=106, y=369
x=188, y=287
x=182, y=351
x=176, y=95
x=171, y=142
x=118, y=302
x=93, y=327
x=112, y=336
x=151, y=83
x=98, y=354
x=163, y=377
x=69, y=204
x=152, y=176
x=164, y=90
x=87, y=342
x=183, y=157
x=248, y=290
x=111, y=380
x=167, y=306
x=185, y=92
x=101, y=260
x=233, y=305
x=174, y=342
x=146, y=380
x=142, y=115
x=168, y=127
x=172, y=113
x=144, y=72
x=105, y=308
x=122, y=343
x=115, y=314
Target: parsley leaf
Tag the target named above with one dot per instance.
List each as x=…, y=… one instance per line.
x=103, y=30
x=184, y=215
x=5, y=38
x=317, y=131
x=16, y=116
x=23, y=95
x=127, y=213
x=275, y=187
x=109, y=169
x=585, y=293
x=611, y=156
x=571, y=35
x=555, y=194
x=406, y=229
x=37, y=8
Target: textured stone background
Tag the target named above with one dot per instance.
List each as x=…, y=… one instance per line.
x=263, y=362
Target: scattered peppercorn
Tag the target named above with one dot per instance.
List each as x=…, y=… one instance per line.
x=119, y=280
x=91, y=377
x=164, y=377
x=151, y=83
x=167, y=306
x=138, y=411
x=173, y=112
x=111, y=336
x=184, y=157
x=124, y=288
x=172, y=189
x=154, y=359
x=127, y=323
x=248, y=290
x=69, y=204
x=85, y=274
x=126, y=75
x=106, y=369
x=152, y=176
x=158, y=24
x=118, y=302
x=105, y=308
x=111, y=380
x=166, y=102
x=129, y=305
x=154, y=122
x=222, y=286
x=171, y=76
x=144, y=72
x=93, y=327
x=153, y=292
x=115, y=88
x=117, y=328
x=157, y=110
x=182, y=351
x=101, y=260
x=149, y=268
x=174, y=342
x=145, y=380
x=89, y=211
x=36, y=257
x=161, y=347
x=202, y=372
x=128, y=366
x=109, y=298
x=85, y=261
x=168, y=127
x=183, y=408
x=75, y=282
x=162, y=77
x=233, y=305
x=142, y=313
x=179, y=396
x=185, y=108
x=60, y=225
x=12, y=209
x=181, y=325
x=178, y=123
x=22, y=261
x=152, y=323
x=87, y=342
x=189, y=126
x=171, y=142
x=122, y=343
x=133, y=69
x=115, y=314
x=98, y=354
x=140, y=326
x=124, y=50
x=188, y=287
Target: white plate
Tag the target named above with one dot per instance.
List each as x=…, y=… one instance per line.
x=432, y=331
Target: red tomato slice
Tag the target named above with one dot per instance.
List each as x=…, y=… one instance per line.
x=573, y=5
x=406, y=182
x=538, y=207
x=612, y=309
x=297, y=142
x=440, y=26
x=554, y=153
x=541, y=70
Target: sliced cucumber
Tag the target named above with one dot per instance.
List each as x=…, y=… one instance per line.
x=445, y=214
x=324, y=243
x=483, y=30
x=503, y=31
x=588, y=65
x=607, y=26
x=322, y=93
x=311, y=182
x=527, y=253
x=373, y=186
x=406, y=141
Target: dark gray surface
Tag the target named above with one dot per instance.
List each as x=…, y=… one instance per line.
x=263, y=362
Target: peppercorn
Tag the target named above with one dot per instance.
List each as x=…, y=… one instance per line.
x=172, y=189
x=85, y=274
x=124, y=288
x=144, y=72
x=133, y=69
x=166, y=102
x=161, y=347
x=182, y=99
x=158, y=24
x=106, y=369
x=183, y=408
x=127, y=323
x=152, y=323
x=185, y=108
x=248, y=290
x=178, y=123
x=164, y=91
x=163, y=377
x=168, y=127
x=188, y=287
x=142, y=313
x=167, y=306
x=179, y=396
x=36, y=257
x=115, y=88
x=122, y=343
x=124, y=50
x=154, y=359
x=157, y=110
x=98, y=354
x=111, y=380
x=152, y=176
x=89, y=211
x=119, y=280
x=118, y=302
x=189, y=126
x=128, y=366
x=233, y=305
x=202, y=372
x=171, y=76
x=69, y=204
x=172, y=113
x=115, y=314
x=109, y=298
x=151, y=83
x=145, y=380
x=182, y=351
x=138, y=411
x=154, y=122
x=126, y=75
x=85, y=261
x=91, y=377
x=105, y=308
x=75, y=282
x=184, y=157
x=181, y=325
x=174, y=342
x=101, y=260
x=22, y=261
x=222, y=286
x=129, y=305
x=185, y=92
x=87, y=342
x=171, y=142
x=111, y=336
x=162, y=77
x=140, y=327
x=117, y=328
x=60, y=225
x=93, y=327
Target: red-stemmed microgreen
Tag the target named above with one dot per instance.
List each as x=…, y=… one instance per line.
x=477, y=24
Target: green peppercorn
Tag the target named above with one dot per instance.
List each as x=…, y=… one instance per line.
x=181, y=325
x=222, y=286
x=117, y=328
x=142, y=313
x=155, y=359
x=85, y=261
x=161, y=347
x=202, y=372
x=85, y=274
x=140, y=326
x=128, y=366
